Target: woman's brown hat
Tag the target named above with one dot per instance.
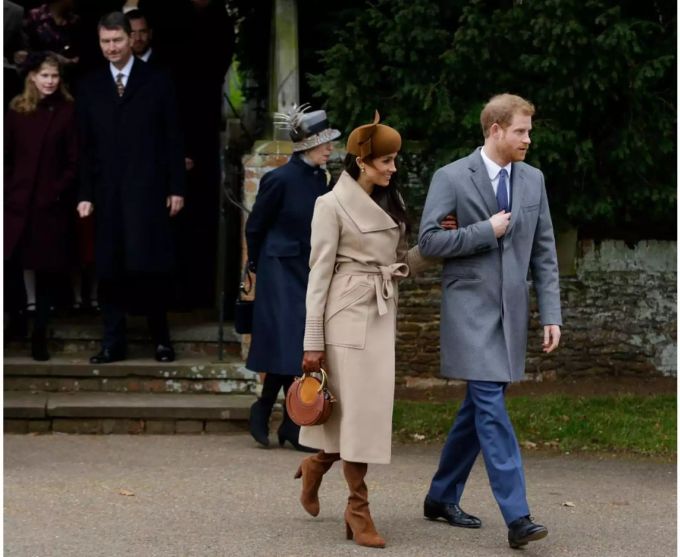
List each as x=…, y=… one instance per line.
x=373, y=140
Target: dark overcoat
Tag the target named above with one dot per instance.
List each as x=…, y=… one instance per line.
x=132, y=159
x=278, y=235
x=41, y=156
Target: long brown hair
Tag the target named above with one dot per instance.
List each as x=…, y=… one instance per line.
x=388, y=197
x=28, y=100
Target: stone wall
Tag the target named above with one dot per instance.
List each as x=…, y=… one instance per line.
x=619, y=312
x=618, y=303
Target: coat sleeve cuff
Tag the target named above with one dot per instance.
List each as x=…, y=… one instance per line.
x=417, y=263
x=314, y=339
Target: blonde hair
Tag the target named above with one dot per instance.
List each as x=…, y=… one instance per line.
x=28, y=100
x=501, y=108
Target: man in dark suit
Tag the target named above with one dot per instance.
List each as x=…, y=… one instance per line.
x=132, y=177
x=142, y=37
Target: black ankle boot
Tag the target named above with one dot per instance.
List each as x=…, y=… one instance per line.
x=259, y=422
x=39, y=346
x=290, y=431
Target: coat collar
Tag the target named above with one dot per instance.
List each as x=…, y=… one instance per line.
x=480, y=178
x=364, y=212
x=296, y=159
x=135, y=79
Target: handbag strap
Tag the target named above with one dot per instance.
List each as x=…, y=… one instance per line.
x=246, y=281
x=324, y=378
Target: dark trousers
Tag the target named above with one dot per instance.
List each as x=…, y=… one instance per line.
x=482, y=424
x=271, y=387
x=145, y=294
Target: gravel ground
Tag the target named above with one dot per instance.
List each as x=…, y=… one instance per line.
x=205, y=496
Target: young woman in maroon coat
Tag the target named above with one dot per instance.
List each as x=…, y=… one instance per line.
x=40, y=167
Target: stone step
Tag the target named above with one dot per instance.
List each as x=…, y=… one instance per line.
x=125, y=412
x=83, y=334
x=138, y=374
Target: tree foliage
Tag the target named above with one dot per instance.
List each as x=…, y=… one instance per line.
x=601, y=74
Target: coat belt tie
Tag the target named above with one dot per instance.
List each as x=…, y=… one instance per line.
x=382, y=278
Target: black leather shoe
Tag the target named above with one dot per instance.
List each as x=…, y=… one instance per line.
x=450, y=512
x=107, y=356
x=164, y=353
x=523, y=530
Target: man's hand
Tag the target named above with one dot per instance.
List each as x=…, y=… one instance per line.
x=175, y=203
x=500, y=222
x=450, y=222
x=551, y=338
x=188, y=163
x=313, y=361
x=85, y=209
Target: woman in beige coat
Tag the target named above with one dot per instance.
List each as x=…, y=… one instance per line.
x=359, y=251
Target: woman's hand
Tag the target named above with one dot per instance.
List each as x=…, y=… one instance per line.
x=313, y=361
x=450, y=222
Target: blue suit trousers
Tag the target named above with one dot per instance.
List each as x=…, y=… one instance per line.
x=483, y=424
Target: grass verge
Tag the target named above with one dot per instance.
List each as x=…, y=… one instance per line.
x=643, y=425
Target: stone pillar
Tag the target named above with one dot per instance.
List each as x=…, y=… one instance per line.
x=284, y=85
x=284, y=91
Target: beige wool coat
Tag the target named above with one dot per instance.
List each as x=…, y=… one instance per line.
x=358, y=254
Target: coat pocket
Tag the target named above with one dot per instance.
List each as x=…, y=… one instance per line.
x=346, y=317
x=460, y=274
x=282, y=247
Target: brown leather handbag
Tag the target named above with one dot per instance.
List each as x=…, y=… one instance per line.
x=308, y=401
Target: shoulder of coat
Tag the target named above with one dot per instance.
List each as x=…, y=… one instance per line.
x=328, y=200
x=528, y=172
x=456, y=166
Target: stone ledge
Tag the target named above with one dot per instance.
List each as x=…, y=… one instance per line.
x=149, y=406
x=118, y=426
x=78, y=365
x=25, y=405
x=90, y=328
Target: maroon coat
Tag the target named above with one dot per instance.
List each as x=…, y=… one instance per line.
x=41, y=151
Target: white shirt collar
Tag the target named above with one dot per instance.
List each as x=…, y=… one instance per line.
x=125, y=70
x=146, y=55
x=492, y=168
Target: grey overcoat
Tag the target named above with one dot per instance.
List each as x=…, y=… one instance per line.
x=485, y=282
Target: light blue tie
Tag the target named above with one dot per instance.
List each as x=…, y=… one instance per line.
x=502, y=191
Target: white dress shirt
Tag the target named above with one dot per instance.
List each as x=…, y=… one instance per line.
x=146, y=55
x=125, y=71
x=494, y=171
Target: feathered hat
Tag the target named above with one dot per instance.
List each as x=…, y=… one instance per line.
x=373, y=140
x=306, y=129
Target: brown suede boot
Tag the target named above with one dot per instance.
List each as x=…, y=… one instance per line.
x=358, y=519
x=312, y=470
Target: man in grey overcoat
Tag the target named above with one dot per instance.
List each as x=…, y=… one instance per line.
x=504, y=243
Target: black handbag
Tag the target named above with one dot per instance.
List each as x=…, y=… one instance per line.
x=243, y=309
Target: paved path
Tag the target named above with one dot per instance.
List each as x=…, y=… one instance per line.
x=209, y=496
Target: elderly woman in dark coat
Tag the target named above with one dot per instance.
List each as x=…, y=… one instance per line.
x=278, y=233
x=40, y=167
